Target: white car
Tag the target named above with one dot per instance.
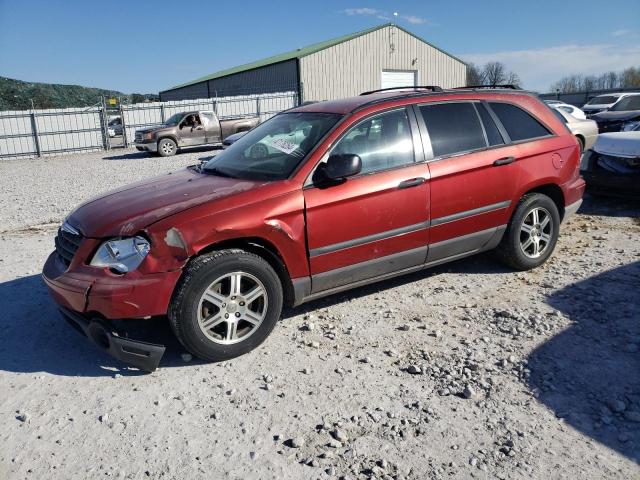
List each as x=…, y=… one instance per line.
x=603, y=103
x=565, y=107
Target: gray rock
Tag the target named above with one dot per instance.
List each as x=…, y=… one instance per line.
x=468, y=392
x=22, y=417
x=340, y=435
x=297, y=442
x=414, y=369
x=617, y=405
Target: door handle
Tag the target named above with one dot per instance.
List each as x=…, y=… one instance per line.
x=504, y=161
x=412, y=182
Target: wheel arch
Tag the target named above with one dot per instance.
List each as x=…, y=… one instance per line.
x=264, y=249
x=554, y=192
x=170, y=137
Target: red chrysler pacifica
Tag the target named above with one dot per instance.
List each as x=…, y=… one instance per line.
x=318, y=199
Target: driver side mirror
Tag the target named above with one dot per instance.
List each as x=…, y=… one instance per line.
x=338, y=168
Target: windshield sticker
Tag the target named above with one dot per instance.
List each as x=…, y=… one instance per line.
x=284, y=145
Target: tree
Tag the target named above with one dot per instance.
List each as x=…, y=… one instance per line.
x=492, y=73
x=474, y=75
x=628, y=78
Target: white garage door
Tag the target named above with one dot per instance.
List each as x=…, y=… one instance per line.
x=398, y=78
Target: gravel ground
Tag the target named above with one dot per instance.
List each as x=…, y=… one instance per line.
x=468, y=370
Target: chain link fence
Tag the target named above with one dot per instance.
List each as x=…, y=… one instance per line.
x=36, y=133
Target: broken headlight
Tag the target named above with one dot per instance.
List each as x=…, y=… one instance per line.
x=121, y=254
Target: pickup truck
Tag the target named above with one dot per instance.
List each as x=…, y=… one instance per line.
x=190, y=129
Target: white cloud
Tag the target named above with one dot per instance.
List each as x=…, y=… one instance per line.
x=620, y=33
x=361, y=11
x=413, y=19
x=539, y=68
x=373, y=12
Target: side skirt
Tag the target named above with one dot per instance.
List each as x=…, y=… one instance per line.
x=387, y=267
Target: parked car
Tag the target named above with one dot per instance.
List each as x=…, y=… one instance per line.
x=612, y=166
x=570, y=109
x=624, y=115
x=585, y=131
x=601, y=103
x=232, y=139
x=374, y=186
x=114, y=127
x=190, y=129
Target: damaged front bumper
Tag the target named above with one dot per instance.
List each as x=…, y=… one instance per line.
x=142, y=355
x=90, y=297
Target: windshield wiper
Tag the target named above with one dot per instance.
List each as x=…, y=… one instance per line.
x=216, y=171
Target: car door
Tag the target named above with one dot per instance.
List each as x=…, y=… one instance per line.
x=473, y=177
x=375, y=223
x=191, y=131
x=211, y=127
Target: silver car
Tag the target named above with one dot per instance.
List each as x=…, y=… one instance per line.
x=585, y=131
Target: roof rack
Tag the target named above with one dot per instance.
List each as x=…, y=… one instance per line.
x=432, y=88
x=509, y=86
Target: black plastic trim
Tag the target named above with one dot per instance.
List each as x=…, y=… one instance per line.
x=367, y=239
x=142, y=355
x=470, y=213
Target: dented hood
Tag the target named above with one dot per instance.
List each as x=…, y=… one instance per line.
x=618, y=144
x=134, y=207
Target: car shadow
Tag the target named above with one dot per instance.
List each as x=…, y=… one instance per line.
x=35, y=338
x=610, y=206
x=481, y=264
x=589, y=374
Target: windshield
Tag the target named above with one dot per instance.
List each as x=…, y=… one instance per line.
x=174, y=120
x=272, y=150
x=627, y=103
x=603, y=100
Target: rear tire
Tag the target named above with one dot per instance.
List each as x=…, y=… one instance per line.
x=581, y=143
x=167, y=147
x=226, y=304
x=532, y=233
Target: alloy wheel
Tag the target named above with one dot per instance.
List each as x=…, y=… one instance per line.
x=536, y=232
x=232, y=308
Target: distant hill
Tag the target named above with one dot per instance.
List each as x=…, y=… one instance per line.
x=17, y=95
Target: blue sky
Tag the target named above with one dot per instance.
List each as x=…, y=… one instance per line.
x=147, y=46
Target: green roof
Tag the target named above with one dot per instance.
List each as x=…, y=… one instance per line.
x=301, y=52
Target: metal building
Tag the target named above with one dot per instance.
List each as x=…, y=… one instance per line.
x=380, y=57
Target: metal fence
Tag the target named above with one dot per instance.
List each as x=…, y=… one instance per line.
x=578, y=99
x=50, y=132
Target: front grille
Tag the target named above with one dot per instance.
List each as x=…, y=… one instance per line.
x=67, y=244
x=138, y=137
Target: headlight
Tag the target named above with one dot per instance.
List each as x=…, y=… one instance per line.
x=122, y=255
x=148, y=136
x=630, y=126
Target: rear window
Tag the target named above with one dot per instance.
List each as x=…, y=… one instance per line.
x=603, y=100
x=518, y=123
x=453, y=128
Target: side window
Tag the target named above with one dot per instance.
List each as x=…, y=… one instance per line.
x=453, y=128
x=381, y=142
x=518, y=123
x=493, y=134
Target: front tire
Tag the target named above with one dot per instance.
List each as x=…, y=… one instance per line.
x=167, y=147
x=532, y=233
x=226, y=304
